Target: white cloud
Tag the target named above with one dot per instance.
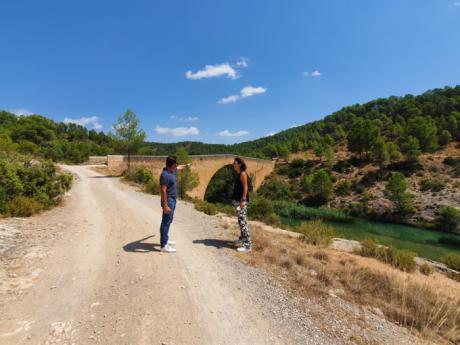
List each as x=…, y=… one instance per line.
x=269, y=134
x=85, y=121
x=455, y=4
x=248, y=91
x=184, y=118
x=178, y=131
x=19, y=112
x=227, y=133
x=211, y=71
x=294, y=126
x=229, y=99
x=245, y=92
x=242, y=62
x=315, y=73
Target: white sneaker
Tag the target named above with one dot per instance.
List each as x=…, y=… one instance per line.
x=243, y=249
x=168, y=249
x=173, y=243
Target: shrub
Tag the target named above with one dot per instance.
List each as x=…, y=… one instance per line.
x=343, y=188
x=452, y=260
x=260, y=208
x=399, y=258
x=22, y=206
x=447, y=219
x=434, y=185
x=276, y=190
x=152, y=187
x=316, y=232
x=141, y=175
x=426, y=269
x=451, y=161
x=295, y=211
x=205, y=207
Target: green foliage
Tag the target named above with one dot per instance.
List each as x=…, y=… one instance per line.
x=220, y=188
x=447, y=219
x=380, y=152
x=292, y=210
x=23, y=206
x=275, y=189
x=27, y=187
x=153, y=187
x=445, y=137
x=362, y=138
x=396, y=192
x=424, y=129
x=433, y=185
x=452, y=260
x=410, y=146
x=187, y=179
x=205, y=207
x=320, y=188
x=141, y=175
x=260, y=208
x=426, y=269
x=343, y=188
x=399, y=258
x=316, y=232
x=128, y=135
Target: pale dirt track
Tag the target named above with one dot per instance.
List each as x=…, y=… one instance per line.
x=104, y=281
x=90, y=272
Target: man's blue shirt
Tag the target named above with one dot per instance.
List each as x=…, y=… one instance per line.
x=169, y=179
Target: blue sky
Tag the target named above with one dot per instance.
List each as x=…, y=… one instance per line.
x=271, y=64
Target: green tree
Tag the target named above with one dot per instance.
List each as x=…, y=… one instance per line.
x=187, y=179
x=128, y=134
x=361, y=137
x=411, y=148
x=447, y=219
x=380, y=152
x=393, y=151
x=396, y=192
x=424, y=129
x=321, y=186
x=445, y=137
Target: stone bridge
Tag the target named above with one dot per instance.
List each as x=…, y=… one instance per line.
x=206, y=166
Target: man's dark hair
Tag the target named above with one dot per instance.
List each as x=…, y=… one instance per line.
x=170, y=161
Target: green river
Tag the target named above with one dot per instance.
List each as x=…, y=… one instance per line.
x=426, y=243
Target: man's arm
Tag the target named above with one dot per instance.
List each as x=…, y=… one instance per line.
x=183, y=166
x=164, y=199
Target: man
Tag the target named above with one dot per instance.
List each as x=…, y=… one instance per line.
x=168, y=202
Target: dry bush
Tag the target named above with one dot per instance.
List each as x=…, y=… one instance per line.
x=428, y=304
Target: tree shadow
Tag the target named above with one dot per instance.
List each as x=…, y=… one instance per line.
x=219, y=244
x=141, y=247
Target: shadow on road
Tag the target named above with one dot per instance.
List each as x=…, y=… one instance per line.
x=101, y=176
x=141, y=247
x=216, y=243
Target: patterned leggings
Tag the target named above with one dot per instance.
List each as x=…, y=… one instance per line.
x=243, y=223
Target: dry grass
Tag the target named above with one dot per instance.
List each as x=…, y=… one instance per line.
x=428, y=304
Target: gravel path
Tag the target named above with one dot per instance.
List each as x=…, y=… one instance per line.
x=90, y=272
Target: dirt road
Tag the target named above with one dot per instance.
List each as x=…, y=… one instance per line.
x=95, y=276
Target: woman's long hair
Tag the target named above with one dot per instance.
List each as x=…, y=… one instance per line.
x=241, y=162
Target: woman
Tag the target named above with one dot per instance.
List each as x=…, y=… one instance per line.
x=241, y=200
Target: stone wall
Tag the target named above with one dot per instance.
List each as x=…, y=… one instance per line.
x=96, y=160
x=206, y=166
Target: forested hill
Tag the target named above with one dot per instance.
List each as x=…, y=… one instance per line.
x=408, y=124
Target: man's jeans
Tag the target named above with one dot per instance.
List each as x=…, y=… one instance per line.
x=166, y=222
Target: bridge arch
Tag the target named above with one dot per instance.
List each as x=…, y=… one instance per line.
x=205, y=165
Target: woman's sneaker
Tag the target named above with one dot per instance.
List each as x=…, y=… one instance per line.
x=168, y=249
x=243, y=249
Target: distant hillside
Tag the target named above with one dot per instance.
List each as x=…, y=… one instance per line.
x=408, y=124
